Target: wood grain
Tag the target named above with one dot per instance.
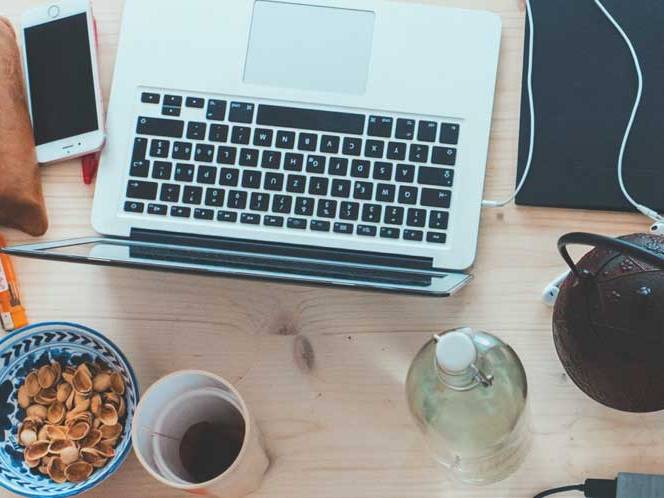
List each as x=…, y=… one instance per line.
x=323, y=369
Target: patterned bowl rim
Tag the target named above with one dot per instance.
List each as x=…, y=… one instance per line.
x=119, y=459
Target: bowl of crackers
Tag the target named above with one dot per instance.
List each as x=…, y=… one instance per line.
x=67, y=399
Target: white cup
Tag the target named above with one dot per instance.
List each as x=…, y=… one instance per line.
x=181, y=400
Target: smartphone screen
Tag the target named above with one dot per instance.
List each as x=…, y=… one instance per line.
x=62, y=91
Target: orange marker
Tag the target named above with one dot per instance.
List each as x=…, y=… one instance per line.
x=12, y=314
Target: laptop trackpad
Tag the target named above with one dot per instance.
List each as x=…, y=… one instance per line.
x=309, y=47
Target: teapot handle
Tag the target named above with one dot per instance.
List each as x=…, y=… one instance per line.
x=589, y=239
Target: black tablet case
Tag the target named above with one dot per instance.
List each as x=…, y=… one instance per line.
x=584, y=84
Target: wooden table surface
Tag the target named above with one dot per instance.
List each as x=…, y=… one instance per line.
x=324, y=369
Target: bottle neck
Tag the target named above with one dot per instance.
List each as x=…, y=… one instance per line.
x=464, y=380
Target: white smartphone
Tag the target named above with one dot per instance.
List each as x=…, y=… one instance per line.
x=62, y=80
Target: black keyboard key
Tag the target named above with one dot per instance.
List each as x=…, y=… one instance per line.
x=195, y=102
x=218, y=133
x=340, y=188
x=436, y=198
x=307, y=141
x=226, y=155
x=349, y=210
x=345, y=228
x=140, y=149
x=394, y=215
x=338, y=166
x=162, y=170
x=216, y=110
x=192, y=195
x=352, y=146
x=329, y=144
x=182, y=150
x=174, y=100
x=380, y=126
x=282, y=204
x=285, y=139
x=251, y=179
x=374, y=149
x=326, y=208
x=444, y=155
x=405, y=173
x=293, y=162
x=150, y=98
x=274, y=182
x=315, y=164
x=142, y=190
x=296, y=184
x=385, y=192
x=415, y=235
x=408, y=195
x=363, y=191
x=299, y=223
x=169, y=192
x=390, y=233
x=371, y=213
x=249, y=157
x=318, y=185
x=405, y=129
x=304, y=206
x=196, y=130
x=134, y=207
x=214, y=197
x=180, y=212
x=203, y=214
x=382, y=171
x=229, y=177
x=440, y=177
x=237, y=199
x=250, y=218
x=449, y=133
x=426, y=131
x=273, y=221
x=263, y=137
x=240, y=135
x=241, y=112
x=366, y=230
x=439, y=220
x=184, y=173
x=396, y=151
x=140, y=168
x=160, y=127
x=310, y=119
x=227, y=216
x=436, y=237
x=418, y=153
x=207, y=175
x=259, y=201
x=271, y=159
x=416, y=217
x=158, y=209
x=160, y=148
x=204, y=153
x=168, y=110
x=360, y=168
x=320, y=225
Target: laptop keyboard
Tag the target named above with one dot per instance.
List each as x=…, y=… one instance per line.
x=227, y=160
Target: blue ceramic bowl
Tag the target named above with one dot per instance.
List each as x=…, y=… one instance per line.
x=29, y=348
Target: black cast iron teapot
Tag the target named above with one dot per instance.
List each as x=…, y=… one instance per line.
x=608, y=321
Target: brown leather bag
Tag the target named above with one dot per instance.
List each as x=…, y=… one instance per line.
x=21, y=198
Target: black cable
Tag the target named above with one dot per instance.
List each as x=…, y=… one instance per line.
x=555, y=491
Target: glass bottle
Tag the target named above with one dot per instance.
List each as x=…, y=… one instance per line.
x=467, y=391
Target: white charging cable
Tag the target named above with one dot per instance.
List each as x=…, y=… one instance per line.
x=658, y=227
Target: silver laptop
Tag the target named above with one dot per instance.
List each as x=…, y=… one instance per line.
x=333, y=142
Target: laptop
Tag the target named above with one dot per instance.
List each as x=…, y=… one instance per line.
x=321, y=142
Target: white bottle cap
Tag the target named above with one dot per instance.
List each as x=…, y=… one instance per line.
x=455, y=351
